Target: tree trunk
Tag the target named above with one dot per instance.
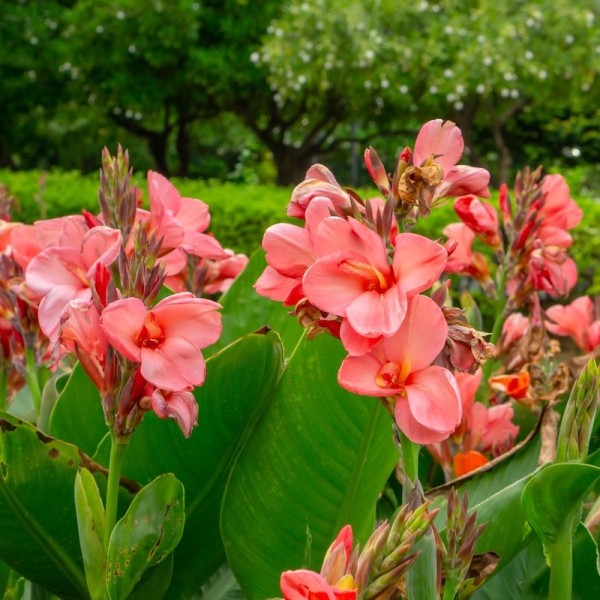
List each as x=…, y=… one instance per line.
x=182, y=145
x=157, y=144
x=291, y=165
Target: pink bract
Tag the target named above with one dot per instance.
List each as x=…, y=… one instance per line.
x=166, y=340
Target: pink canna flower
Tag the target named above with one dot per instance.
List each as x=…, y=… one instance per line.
x=551, y=270
x=479, y=216
x=354, y=279
x=180, y=221
x=576, y=320
x=427, y=403
x=166, y=340
x=60, y=274
x=441, y=142
x=319, y=183
x=308, y=585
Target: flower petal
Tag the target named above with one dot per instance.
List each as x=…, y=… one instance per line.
x=418, y=262
x=421, y=336
x=358, y=375
x=443, y=139
x=122, y=322
x=433, y=399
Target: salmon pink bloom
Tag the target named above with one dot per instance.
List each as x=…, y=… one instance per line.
x=319, y=183
x=60, y=274
x=354, y=279
x=479, y=216
x=180, y=221
x=166, y=340
x=558, y=210
x=441, y=142
x=289, y=253
x=576, y=320
x=427, y=403
x=308, y=585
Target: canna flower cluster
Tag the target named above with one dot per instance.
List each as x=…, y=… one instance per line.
x=351, y=272
x=93, y=281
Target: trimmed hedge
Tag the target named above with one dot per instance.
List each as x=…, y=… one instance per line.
x=241, y=213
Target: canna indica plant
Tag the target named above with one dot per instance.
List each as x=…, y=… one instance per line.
x=167, y=431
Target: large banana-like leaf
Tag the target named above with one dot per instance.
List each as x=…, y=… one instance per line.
x=317, y=459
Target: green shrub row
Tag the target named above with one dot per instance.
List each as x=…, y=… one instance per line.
x=241, y=212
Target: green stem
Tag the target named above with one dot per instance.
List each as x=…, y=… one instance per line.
x=450, y=589
x=117, y=453
x=561, y=567
x=488, y=367
x=31, y=377
x=410, y=460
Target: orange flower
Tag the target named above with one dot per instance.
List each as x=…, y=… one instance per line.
x=515, y=386
x=468, y=461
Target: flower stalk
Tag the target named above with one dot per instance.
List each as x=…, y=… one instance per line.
x=117, y=454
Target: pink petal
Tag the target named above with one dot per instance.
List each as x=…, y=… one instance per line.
x=193, y=215
x=52, y=268
x=462, y=179
x=433, y=399
x=443, y=139
x=193, y=319
x=122, y=321
x=354, y=343
x=303, y=585
x=180, y=406
x=330, y=288
x=358, y=375
x=421, y=337
x=418, y=262
x=175, y=365
x=373, y=314
x=275, y=286
x=101, y=244
x=289, y=249
x=468, y=386
x=413, y=429
x=55, y=303
x=203, y=245
x=163, y=195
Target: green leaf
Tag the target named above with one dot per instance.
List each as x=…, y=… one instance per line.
x=257, y=311
x=77, y=416
x=147, y=534
x=90, y=521
x=527, y=575
x=317, y=459
x=37, y=510
x=239, y=382
x=155, y=581
x=553, y=498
